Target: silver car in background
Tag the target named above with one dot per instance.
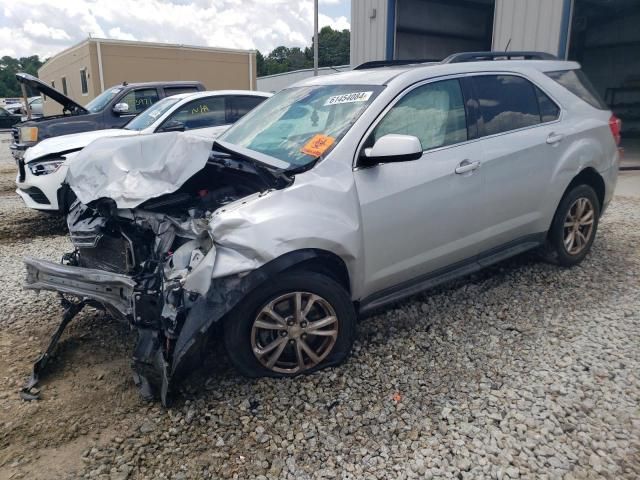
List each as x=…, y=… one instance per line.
x=334, y=197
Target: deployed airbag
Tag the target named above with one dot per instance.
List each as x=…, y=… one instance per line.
x=131, y=170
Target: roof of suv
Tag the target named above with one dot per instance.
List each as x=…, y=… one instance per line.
x=218, y=93
x=384, y=75
x=161, y=84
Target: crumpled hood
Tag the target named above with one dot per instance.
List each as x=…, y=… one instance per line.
x=132, y=170
x=74, y=141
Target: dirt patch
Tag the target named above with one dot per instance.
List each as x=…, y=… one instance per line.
x=18, y=222
x=7, y=178
x=85, y=393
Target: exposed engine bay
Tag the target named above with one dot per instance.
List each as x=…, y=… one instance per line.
x=152, y=266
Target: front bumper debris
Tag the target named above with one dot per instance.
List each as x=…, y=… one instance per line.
x=110, y=289
x=91, y=287
x=29, y=392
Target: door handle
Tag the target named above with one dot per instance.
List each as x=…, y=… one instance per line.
x=554, y=138
x=467, y=166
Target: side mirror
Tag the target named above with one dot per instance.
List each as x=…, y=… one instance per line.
x=121, y=108
x=172, y=126
x=391, y=148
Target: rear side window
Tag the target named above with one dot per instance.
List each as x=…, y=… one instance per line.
x=168, y=91
x=238, y=107
x=549, y=111
x=577, y=83
x=433, y=112
x=201, y=113
x=507, y=102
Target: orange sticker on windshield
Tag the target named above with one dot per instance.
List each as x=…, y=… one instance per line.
x=317, y=145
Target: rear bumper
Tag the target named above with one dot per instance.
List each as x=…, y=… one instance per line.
x=110, y=289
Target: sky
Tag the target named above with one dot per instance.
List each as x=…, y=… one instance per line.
x=45, y=27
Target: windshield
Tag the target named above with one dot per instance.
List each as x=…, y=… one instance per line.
x=299, y=125
x=98, y=103
x=151, y=114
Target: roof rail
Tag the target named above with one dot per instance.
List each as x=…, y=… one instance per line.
x=482, y=56
x=391, y=63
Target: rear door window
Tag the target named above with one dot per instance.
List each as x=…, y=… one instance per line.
x=239, y=106
x=201, y=113
x=433, y=112
x=577, y=83
x=507, y=102
x=140, y=99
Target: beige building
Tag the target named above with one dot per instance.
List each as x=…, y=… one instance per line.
x=85, y=70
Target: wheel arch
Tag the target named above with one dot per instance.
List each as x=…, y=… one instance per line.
x=320, y=261
x=587, y=176
x=591, y=177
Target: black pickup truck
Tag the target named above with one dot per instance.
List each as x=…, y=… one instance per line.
x=111, y=109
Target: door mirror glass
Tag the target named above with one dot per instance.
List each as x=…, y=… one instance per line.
x=121, y=108
x=172, y=126
x=392, y=148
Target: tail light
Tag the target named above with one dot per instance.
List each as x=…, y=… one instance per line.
x=615, y=124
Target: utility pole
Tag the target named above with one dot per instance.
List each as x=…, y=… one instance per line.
x=315, y=38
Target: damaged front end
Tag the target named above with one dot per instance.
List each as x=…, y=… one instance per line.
x=152, y=265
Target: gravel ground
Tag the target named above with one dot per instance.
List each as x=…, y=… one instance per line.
x=525, y=370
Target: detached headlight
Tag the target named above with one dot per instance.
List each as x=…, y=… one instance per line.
x=45, y=168
x=28, y=134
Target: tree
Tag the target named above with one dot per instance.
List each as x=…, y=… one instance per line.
x=333, y=50
x=333, y=47
x=260, y=64
x=9, y=66
x=279, y=54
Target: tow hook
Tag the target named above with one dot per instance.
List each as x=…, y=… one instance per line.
x=29, y=392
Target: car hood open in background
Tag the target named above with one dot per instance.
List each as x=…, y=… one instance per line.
x=38, y=85
x=132, y=170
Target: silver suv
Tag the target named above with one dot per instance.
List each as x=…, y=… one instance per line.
x=334, y=197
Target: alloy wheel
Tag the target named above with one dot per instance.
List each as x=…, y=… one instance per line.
x=294, y=332
x=578, y=226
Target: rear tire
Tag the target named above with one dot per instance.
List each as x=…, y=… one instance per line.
x=574, y=226
x=298, y=322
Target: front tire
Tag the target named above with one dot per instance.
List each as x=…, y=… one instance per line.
x=298, y=322
x=574, y=226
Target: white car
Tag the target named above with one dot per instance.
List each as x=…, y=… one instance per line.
x=44, y=167
x=35, y=103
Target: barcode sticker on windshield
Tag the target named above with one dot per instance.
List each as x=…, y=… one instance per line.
x=348, y=98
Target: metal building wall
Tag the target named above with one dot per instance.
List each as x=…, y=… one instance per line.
x=541, y=25
x=368, y=35
x=433, y=29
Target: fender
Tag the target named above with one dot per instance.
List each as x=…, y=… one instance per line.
x=158, y=376
x=583, y=155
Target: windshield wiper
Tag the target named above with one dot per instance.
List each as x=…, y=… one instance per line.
x=252, y=155
x=265, y=169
